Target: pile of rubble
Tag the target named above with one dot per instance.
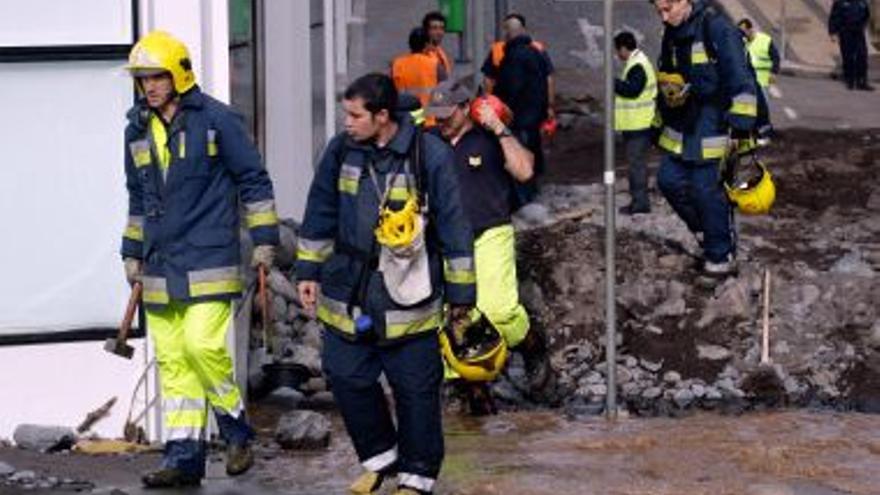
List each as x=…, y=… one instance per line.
x=683, y=346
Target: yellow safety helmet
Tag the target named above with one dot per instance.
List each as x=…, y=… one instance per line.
x=159, y=52
x=399, y=228
x=754, y=196
x=481, y=357
x=673, y=88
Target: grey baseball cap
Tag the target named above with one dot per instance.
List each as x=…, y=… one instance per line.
x=445, y=97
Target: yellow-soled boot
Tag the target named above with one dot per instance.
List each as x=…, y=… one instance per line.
x=367, y=483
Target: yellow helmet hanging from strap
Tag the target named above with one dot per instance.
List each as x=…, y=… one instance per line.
x=754, y=196
x=477, y=352
x=159, y=52
x=399, y=228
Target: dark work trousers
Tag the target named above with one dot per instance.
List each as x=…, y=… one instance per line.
x=530, y=138
x=415, y=372
x=694, y=191
x=636, y=145
x=854, y=54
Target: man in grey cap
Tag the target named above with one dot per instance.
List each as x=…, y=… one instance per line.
x=489, y=161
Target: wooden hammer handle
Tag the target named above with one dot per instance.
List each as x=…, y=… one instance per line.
x=133, y=300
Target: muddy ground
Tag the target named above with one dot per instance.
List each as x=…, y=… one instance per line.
x=686, y=346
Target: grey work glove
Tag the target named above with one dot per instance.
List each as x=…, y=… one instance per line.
x=263, y=255
x=134, y=270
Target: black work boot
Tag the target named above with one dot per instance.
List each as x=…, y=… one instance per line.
x=170, y=478
x=239, y=458
x=541, y=380
x=480, y=401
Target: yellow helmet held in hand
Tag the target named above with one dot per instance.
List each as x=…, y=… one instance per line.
x=754, y=196
x=481, y=353
x=159, y=52
x=673, y=88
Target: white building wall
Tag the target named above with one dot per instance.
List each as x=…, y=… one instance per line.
x=60, y=383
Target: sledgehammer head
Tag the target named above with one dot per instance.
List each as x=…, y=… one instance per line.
x=115, y=346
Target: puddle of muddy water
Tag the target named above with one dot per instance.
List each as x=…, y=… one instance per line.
x=542, y=453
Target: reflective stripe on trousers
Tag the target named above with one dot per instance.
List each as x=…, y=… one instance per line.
x=194, y=365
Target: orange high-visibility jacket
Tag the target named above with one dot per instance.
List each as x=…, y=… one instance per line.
x=416, y=74
x=440, y=55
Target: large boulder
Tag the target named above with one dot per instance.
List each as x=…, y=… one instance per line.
x=303, y=430
x=44, y=438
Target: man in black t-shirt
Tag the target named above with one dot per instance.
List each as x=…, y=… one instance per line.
x=489, y=162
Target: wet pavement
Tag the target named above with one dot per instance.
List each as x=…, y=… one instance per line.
x=538, y=453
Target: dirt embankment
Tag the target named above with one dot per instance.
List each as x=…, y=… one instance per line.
x=684, y=346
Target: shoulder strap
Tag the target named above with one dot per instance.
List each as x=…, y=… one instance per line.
x=417, y=161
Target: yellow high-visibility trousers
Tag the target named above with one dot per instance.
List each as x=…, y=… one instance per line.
x=195, y=369
x=497, y=286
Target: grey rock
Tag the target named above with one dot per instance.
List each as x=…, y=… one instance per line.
x=320, y=400
x=282, y=286
x=309, y=357
x=6, y=469
x=726, y=384
x=285, y=397
x=683, y=398
x=630, y=362
x=713, y=352
x=651, y=366
x=598, y=390
x=672, y=377
x=310, y=334
x=733, y=302
x=853, y=264
x=303, y=430
x=652, y=393
x=624, y=375
x=314, y=385
x=631, y=389
x=713, y=393
x=674, y=305
x=285, y=254
x=698, y=390
x=44, y=438
x=278, y=309
x=593, y=377
x=507, y=392
x=23, y=477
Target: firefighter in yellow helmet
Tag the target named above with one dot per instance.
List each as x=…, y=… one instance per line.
x=188, y=164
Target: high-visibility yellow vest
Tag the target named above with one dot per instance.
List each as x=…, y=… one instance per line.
x=759, y=52
x=636, y=114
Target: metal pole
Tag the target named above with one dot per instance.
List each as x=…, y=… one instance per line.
x=610, y=313
x=478, y=40
x=329, y=74
x=500, y=12
x=784, y=34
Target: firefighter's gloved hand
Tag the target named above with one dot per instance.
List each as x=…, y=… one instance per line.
x=459, y=319
x=263, y=255
x=134, y=270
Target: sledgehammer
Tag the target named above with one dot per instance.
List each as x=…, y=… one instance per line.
x=118, y=345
